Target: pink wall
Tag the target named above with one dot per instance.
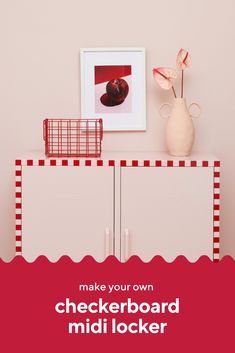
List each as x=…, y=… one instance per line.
x=39, y=75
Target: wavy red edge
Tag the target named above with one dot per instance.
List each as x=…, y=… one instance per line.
x=113, y=259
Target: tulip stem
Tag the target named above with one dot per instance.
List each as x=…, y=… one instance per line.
x=182, y=84
x=174, y=91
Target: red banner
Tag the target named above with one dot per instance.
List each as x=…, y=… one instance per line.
x=110, y=306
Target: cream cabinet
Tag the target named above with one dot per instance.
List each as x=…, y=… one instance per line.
x=67, y=211
x=119, y=205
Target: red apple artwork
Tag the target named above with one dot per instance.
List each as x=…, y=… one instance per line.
x=117, y=91
x=113, y=89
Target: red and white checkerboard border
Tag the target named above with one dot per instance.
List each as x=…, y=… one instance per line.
x=18, y=207
x=216, y=211
x=119, y=163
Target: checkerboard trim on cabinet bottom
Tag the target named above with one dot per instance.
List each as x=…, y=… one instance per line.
x=121, y=163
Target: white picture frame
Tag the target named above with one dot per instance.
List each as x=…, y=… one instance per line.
x=98, y=67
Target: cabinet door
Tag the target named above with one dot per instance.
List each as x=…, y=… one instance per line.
x=166, y=211
x=67, y=211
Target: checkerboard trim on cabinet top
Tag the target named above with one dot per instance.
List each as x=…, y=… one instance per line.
x=119, y=163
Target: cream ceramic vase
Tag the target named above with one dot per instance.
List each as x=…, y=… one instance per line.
x=180, y=127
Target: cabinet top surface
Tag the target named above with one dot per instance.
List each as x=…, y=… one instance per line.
x=128, y=155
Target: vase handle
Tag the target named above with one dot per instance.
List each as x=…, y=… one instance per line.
x=199, y=109
x=162, y=106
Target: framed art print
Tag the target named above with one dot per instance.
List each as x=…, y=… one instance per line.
x=113, y=87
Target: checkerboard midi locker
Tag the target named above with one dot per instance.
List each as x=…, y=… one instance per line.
x=122, y=205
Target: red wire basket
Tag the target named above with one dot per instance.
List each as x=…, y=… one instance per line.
x=73, y=137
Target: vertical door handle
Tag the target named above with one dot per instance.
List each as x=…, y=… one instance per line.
x=108, y=242
x=126, y=244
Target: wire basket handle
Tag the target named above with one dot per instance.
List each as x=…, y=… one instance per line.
x=44, y=129
x=101, y=129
